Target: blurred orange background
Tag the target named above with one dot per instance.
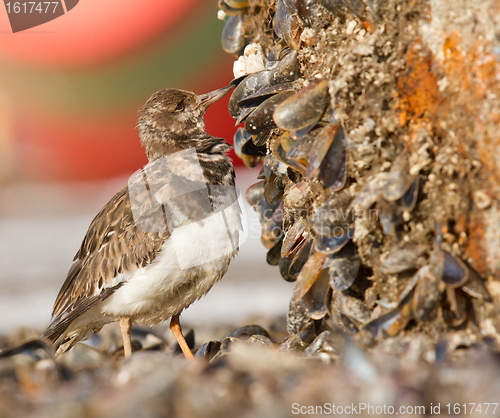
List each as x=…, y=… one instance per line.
x=70, y=89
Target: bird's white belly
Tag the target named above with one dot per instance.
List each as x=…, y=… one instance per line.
x=194, y=257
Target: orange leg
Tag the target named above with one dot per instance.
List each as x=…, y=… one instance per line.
x=175, y=327
x=126, y=328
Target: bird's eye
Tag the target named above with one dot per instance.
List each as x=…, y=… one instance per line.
x=180, y=106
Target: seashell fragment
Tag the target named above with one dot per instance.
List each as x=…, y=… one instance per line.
x=343, y=267
x=449, y=269
x=233, y=40
x=455, y=310
x=401, y=258
x=301, y=151
x=409, y=199
x=399, y=180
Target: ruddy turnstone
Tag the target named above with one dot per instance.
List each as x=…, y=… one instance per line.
x=163, y=240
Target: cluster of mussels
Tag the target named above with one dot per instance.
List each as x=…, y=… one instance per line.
x=342, y=239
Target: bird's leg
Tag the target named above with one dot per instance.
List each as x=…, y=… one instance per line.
x=175, y=327
x=126, y=328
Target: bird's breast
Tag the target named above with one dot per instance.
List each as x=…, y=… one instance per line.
x=191, y=260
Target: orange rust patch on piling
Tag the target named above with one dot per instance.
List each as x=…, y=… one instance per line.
x=475, y=243
x=418, y=86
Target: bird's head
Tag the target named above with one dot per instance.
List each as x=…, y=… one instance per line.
x=172, y=119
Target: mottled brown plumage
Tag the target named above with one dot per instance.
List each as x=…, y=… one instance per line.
x=121, y=243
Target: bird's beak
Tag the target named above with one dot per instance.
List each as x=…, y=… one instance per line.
x=208, y=98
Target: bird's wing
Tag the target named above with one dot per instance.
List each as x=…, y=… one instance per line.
x=115, y=243
x=128, y=233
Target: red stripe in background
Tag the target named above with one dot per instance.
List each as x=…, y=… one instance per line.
x=92, y=32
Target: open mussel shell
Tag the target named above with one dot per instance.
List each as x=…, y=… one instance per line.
x=399, y=180
x=273, y=190
x=330, y=244
x=315, y=300
x=233, y=40
x=248, y=86
x=295, y=238
x=285, y=25
x=274, y=254
x=396, y=319
x=449, y=268
x=301, y=259
x=208, y=350
x=304, y=109
x=455, y=307
x=332, y=171
x=265, y=93
x=320, y=147
x=282, y=156
x=401, y=258
x=393, y=321
x=343, y=267
x=243, y=144
x=255, y=193
x=261, y=119
x=301, y=151
x=427, y=294
x=308, y=275
x=240, y=138
x=328, y=157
